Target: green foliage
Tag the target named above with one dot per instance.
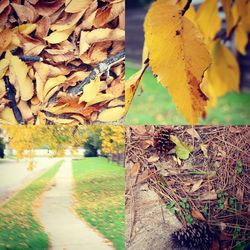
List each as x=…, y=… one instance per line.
x=19, y=227
x=239, y=168
x=99, y=190
x=93, y=143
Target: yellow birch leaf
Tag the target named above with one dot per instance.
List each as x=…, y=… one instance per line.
x=131, y=86
x=7, y=116
x=26, y=28
x=4, y=63
x=2, y=89
x=112, y=114
x=53, y=82
x=59, y=36
x=224, y=73
x=241, y=38
x=178, y=56
x=90, y=91
x=227, y=6
x=73, y=6
x=19, y=71
x=207, y=13
x=100, y=98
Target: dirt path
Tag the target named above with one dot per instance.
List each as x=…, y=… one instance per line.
x=66, y=231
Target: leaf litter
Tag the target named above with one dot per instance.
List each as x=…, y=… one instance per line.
x=211, y=184
x=62, y=61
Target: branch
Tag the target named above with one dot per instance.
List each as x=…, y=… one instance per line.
x=186, y=7
x=11, y=92
x=101, y=68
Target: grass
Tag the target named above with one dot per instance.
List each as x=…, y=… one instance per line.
x=99, y=191
x=154, y=106
x=19, y=228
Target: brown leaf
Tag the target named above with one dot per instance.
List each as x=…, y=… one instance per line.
x=153, y=158
x=47, y=8
x=24, y=13
x=134, y=169
x=240, y=194
x=3, y=5
x=6, y=37
x=146, y=143
x=212, y=195
x=197, y=215
x=42, y=28
x=196, y=186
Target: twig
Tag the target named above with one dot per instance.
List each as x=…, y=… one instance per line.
x=31, y=58
x=186, y=7
x=101, y=68
x=11, y=92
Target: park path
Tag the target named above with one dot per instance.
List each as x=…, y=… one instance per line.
x=65, y=230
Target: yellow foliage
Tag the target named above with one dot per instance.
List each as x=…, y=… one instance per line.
x=223, y=76
x=177, y=56
x=208, y=19
x=59, y=36
x=90, y=90
x=227, y=6
x=112, y=139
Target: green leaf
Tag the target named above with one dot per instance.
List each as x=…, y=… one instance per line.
x=239, y=168
x=182, y=149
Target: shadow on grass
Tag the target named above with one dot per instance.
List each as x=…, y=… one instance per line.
x=154, y=106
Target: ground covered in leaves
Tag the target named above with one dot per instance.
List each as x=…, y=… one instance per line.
x=200, y=173
x=61, y=61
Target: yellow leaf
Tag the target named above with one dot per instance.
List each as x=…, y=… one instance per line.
x=241, y=38
x=90, y=91
x=19, y=72
x=227, y=6
x=7, y=116
x=4, y=63
x=2, y=89
x=73, y=6
x=59, y=36
x=26, y=28
x=112, y=114
x=224, y=74
x=207, y=13
x=53, y=82
x=178, y=56
x=131, y=86
x=100, y=98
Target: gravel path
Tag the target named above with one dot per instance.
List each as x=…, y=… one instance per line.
x=66, y=231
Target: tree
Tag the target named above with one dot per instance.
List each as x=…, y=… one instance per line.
x=189, y=55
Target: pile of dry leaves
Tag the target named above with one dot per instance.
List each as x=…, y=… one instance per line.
x=61, y=61
x=203, y=175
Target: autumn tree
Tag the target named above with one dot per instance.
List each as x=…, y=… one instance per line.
x=188, y=52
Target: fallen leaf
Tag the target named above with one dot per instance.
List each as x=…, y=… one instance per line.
x=73, y=6
x=90, y=90
x=197, y=215
x=196, y=186
x=59, y=36
x=212, y=195
x=204, y=149
x=182, y=149
x=153, y=158
x=134, y=169
x=111, y=114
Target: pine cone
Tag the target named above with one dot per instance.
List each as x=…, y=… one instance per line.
x=197, y=236
x=162, y=142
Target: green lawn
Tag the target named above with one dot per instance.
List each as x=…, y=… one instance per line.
x=155, y=106
x=19, y=229
x=99, y=192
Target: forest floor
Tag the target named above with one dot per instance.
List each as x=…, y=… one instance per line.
x=232, y=109
x=200, y=175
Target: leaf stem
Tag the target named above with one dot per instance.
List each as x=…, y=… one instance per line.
x=186, y=7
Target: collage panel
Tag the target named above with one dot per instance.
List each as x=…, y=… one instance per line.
x=187, y=62
x=187, y=187
x=61, y=61
x=62, y=187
